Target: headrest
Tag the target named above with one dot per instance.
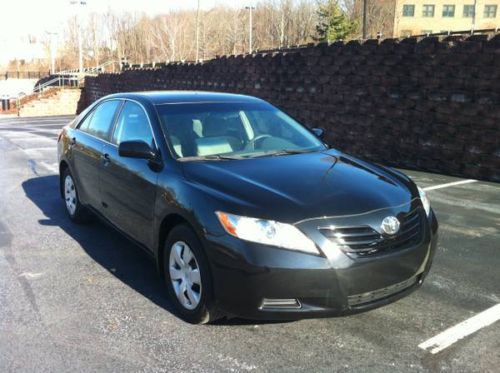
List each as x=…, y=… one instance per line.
x=212, y=145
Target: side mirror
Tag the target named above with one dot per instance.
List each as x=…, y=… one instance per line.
x=319, y=132
x=136, y=149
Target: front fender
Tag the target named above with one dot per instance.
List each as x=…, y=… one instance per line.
x=176, y=200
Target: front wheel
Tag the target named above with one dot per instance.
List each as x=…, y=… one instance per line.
x=187, y=276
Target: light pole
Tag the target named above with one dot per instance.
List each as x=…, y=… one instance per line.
x=474, y=17
x=79, y=32
x=198, y=32
x=250, y=27
x=365, y=19
x=52, y=52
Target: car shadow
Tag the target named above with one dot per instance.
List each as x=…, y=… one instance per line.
x=119, y=256
x=106, y=246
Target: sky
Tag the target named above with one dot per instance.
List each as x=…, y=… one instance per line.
x=19, y=18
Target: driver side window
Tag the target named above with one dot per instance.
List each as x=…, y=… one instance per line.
x=133, y=125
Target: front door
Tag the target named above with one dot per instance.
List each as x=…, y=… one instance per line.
x=128, y=185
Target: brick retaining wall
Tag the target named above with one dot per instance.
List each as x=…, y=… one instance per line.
x=425, y=104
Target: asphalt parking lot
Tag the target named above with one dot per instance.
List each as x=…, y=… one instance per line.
x=82, y=298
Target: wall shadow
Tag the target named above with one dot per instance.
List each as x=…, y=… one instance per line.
x=118, y=255
x=82, y=101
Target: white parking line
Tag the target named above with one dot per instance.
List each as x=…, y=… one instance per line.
x=459, y=331
x=450, y=184
x=35, y=123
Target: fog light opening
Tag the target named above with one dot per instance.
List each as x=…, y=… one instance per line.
x=273, y=303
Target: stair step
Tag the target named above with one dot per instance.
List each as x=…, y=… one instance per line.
x=64, y=101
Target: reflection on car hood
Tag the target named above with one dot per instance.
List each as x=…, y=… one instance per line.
x=295, y=187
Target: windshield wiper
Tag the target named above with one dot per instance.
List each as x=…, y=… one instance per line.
x=289, y=151
x=222, y=157
x=211, y=157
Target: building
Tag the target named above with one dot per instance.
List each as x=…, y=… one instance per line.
x=417, y=17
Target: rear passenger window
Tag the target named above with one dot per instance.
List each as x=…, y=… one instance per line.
x=133, y=125
x=84, y=125
x=99, y=122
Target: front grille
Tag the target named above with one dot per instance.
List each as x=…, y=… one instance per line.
x=364, y=240
x=373, y=296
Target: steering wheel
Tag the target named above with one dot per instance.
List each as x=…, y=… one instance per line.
x=251, y=143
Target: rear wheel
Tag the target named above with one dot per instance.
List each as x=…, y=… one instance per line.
x=187, y=276
x=76, y=212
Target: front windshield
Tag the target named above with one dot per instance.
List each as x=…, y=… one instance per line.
x=233, y=130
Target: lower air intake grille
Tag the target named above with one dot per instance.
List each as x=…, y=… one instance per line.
x=372, y=296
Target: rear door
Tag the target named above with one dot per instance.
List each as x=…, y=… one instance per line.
x=87, y=145
x=128, y=185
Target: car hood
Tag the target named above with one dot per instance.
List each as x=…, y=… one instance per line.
x=295, y=187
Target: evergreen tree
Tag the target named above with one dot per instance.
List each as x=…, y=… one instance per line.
x=333, y=23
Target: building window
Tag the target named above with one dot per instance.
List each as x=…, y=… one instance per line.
x=408, y=10
x=468, y=11
x=426, y=32
x=428, y=10
x=448, y=11
x=490, y=11
x=405, y=33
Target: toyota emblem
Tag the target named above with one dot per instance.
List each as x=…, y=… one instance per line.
x=390, y=225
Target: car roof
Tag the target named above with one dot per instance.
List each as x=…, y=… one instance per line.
x=172, y=97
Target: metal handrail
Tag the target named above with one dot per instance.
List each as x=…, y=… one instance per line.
x=88, y=71
x=60, y=80
x=41, y=87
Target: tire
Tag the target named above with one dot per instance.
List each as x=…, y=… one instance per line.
x=75, y=210
x=189, y=284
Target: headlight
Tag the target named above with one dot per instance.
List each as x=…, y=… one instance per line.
x=425, y=201
x=267, y=232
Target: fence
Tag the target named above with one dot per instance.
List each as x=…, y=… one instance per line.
x=460, y=33
x=22, y=74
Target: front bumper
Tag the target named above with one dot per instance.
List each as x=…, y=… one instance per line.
x=333, y=284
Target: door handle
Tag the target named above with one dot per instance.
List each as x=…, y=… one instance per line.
x=105, y=159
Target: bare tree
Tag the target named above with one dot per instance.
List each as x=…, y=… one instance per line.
x=380, y=15
x=93, y=41
x=170, y=36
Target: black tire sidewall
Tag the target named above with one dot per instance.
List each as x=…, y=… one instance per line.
x=201, y=314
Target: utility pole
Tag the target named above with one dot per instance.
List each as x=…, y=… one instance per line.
x=79, y=32
x=474, y=17
x=250, y=27
x=52, y=52
x=365, y=19
x=198, y=32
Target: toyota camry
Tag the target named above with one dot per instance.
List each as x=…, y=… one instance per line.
x=245, y=211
